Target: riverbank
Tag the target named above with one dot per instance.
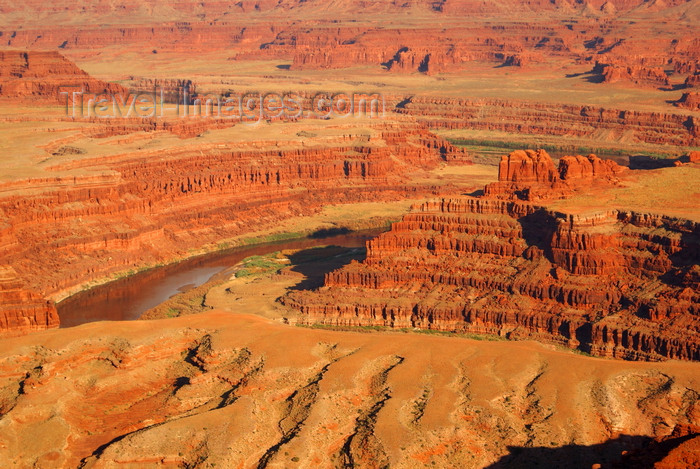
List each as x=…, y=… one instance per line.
x=331, y=219
x=178, y=289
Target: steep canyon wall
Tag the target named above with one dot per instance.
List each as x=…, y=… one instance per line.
x=612, y=283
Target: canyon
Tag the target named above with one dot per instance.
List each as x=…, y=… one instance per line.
x=613, y=283
x=538, y=118
x=527, y=302
x=152, y=207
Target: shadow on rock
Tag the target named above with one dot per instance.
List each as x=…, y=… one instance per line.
x=315, y=263
x=649, y=162
x=326, y=232
x=639, y=452
x=570, y=456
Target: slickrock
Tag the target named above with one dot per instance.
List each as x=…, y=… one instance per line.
x=239, y=391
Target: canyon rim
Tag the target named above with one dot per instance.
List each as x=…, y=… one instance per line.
x=297, y=233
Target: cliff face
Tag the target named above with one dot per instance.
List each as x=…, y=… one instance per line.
x=184, y=10
x=140, y=209
x=43, y=75
x=22, y=310
x=689, y=101
x=614, y=283
x=527, y=167
x=531, y=175
x=639, y=75
x=528, y=117
x=517, y=34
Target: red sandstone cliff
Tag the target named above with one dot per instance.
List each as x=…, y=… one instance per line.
x=44, y=75
x=531, y=175
x=515, y=116
x=151, y=207
x=639, y=75
x=615, y=283
x=255, y=29
x=689, y=101
x=22, y=310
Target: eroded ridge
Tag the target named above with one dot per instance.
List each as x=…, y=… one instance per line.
x=613, y=283
x=214, y=389
x=126, y=211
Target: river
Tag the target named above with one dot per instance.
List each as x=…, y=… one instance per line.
x=127, y=298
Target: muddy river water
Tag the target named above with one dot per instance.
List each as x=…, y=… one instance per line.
x=127, y=298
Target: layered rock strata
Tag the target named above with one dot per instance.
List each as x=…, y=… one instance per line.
x=527, y=117
x=689, y=101
x=519, y=34
x=127, y=211
x=614, y=283
x=45, y=75
x=22, y=310
x=531, y=175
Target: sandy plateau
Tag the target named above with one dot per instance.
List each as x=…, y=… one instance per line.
x=532, y=300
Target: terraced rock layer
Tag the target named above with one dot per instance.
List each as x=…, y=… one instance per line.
x=140, y=209
x=43, y=76
x=612, y=283
x=531, y=175
x=22, y=310
x=539, y=118
x=316, y=35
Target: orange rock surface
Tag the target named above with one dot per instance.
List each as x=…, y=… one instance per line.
x=240, y=391
x=151, y=207
x=571, y=253
x=528, y=117
x=689, y=101
x=22, y=310
x=531, y=175
x=613, y=283
x=44, y=75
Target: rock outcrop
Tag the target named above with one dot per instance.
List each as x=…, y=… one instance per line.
x=44, y=75
x=132, y=210
x=531, y=175
x=639, y=75
x=22, y=310
x=689, y=101
x=613, y=283
x=693, y=81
